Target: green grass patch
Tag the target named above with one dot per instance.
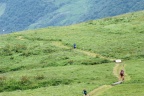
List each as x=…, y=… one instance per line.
x=133, y=87
x=43, y=61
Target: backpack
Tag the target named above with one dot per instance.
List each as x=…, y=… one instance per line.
x=122, y=72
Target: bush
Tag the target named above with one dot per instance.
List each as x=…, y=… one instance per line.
x=10, y=85
x=2, y=78
x=9, y=49
x=3, y=70
x=17, y=68
x=39, y=77
x=26, y=53
x=95, y=61
x=25, y=80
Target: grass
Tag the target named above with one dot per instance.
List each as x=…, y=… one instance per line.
x=43, y=61
x=135, y=85
x=60, y=76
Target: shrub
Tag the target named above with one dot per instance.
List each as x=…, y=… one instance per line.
x=10, y=85
x=39, y=77
x=70, y=62
x=25, y=80
x=26, y=53
x=2, y=78
x=95, y=61
x=9, y=49
x=4, y=69
x=17, y=68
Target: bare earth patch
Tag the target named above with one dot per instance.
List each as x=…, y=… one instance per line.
x=20, y=38
x=100, y=90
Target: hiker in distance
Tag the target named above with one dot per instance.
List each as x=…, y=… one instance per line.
x=85, y=93
x=74, y=46
x=122, y=75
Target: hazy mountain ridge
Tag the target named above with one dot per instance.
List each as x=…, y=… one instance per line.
x=21, y=15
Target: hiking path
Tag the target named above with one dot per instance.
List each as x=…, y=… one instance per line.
x=116, y=68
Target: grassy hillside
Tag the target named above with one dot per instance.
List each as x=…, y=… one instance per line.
x=134, y=87
x=19, y=15
x=43, y=62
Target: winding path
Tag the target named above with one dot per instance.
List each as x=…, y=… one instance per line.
x=101, y=89
x=88, y=53
x=116, y=69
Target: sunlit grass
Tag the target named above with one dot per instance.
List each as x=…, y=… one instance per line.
x=43, y=61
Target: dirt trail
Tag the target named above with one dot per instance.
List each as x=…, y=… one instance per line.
x=60, y=45
x=100, y=90
x=20, y=38
x=116, y=69
x=93, y=54
x=88, y=53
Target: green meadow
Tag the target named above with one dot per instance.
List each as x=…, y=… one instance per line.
x=43, y=62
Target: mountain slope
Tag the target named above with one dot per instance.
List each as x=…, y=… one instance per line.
x=43, y=62
x=22, y=15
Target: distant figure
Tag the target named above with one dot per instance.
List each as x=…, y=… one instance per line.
x=85, y=92
x=74, y=45
x=122, y=75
